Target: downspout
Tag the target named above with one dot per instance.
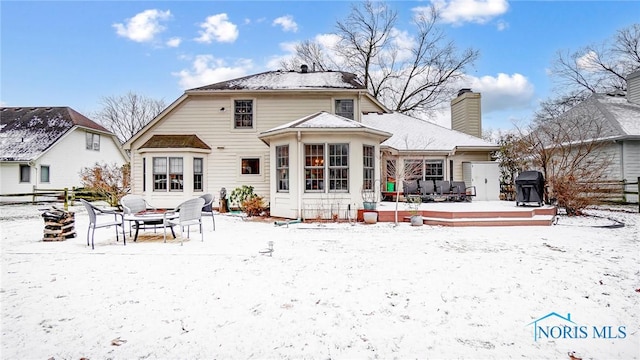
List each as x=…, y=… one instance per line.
x=300, y=174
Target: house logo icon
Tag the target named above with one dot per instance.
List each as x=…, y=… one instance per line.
x=555, y=326
x=543, y=331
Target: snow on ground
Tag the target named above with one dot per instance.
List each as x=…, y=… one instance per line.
x=329, y=291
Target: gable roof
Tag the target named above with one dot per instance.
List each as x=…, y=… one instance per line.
x=27, y=132
x=622, y=117
x=323, y=121
x=413, y=134
x=175, y=141
x=289, y=80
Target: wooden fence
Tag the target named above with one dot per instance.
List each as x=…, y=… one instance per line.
x=616, y=191
x=65, y=195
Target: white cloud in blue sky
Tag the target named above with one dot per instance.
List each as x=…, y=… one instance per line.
x=503, y=91
x=174, y=42
x=287, y=23
x=206, y=69
x=143, y=27
x=217, y=28
x=474, y=11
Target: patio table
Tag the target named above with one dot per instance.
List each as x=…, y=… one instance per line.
x=151, y=219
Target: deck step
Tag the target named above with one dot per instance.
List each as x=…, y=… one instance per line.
x=536, y=220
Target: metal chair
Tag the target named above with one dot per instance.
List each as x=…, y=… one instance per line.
x=427, y=189
x=132, y=204
x=459, y=190
x=443, y=187
x=94, y=213
x=207, y=209
x=190, y=213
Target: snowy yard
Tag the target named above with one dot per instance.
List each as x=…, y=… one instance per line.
x=329, y=291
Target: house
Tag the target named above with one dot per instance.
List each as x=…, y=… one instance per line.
x=613, y=121
x=47, y=147
x=300, y=138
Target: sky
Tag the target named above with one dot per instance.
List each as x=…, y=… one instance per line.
x=75, y=53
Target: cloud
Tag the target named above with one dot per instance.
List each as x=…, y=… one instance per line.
x=503, y=91
x=475, y=11
x=502, y=25
x=143, y=27
x=588, y=61
x=206, y=69
x=217, y=28
x=287, y=23
x=174, y=42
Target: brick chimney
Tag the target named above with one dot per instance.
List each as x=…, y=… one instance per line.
x=633, y=87
x=465, y=113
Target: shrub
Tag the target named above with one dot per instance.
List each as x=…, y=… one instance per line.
x=240, y=195
x=253, y=206
x=110, y=181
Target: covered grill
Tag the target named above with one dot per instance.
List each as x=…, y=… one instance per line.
x=529, y=188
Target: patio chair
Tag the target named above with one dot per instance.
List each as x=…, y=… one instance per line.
x=190, y=213
x=427, y=189
x=443, y=187
x=409, y=187
x=207, y=209
x=94, y=214
x=133, y=204
x=459, y=190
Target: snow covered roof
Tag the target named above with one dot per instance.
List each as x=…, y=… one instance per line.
x=289, y=80
x=25, y=133
x=412, y=134
x=324, y=121
x=623, y=116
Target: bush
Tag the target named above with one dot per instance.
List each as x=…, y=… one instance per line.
x=110, y=181
x=253, y=206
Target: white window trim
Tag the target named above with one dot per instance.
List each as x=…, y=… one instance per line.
x=232, y=111
x=239, y=173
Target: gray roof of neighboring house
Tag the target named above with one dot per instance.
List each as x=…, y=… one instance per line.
x=412, y=134
x=289, y=80
x=623, y=117
x=27, y=132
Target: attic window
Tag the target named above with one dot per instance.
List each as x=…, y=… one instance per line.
x=93, y=141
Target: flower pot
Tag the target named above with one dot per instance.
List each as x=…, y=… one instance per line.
x=369, y=205
x=416, y=220
x=370, y=217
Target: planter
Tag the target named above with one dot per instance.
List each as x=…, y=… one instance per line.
x=416, y=220
x=369, y=205
x=370, y=217
x=391, y=187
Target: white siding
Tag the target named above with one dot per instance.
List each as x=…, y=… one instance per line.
x=65, y=160
x=203, y=115
x=631, y=161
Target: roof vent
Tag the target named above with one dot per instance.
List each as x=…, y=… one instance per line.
x=304, y=69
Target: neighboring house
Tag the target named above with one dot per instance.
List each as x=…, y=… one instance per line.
x=298, y=137
x=613, y=120
x=47, y=147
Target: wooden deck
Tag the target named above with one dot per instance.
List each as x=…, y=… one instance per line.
x=477, y=213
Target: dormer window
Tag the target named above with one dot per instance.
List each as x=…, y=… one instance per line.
x=243, y=114
x=344, y=108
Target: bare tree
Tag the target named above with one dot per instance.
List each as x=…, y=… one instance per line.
x=125, y=115
x=599, y=67
x=570, y=150
x=409, y=73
